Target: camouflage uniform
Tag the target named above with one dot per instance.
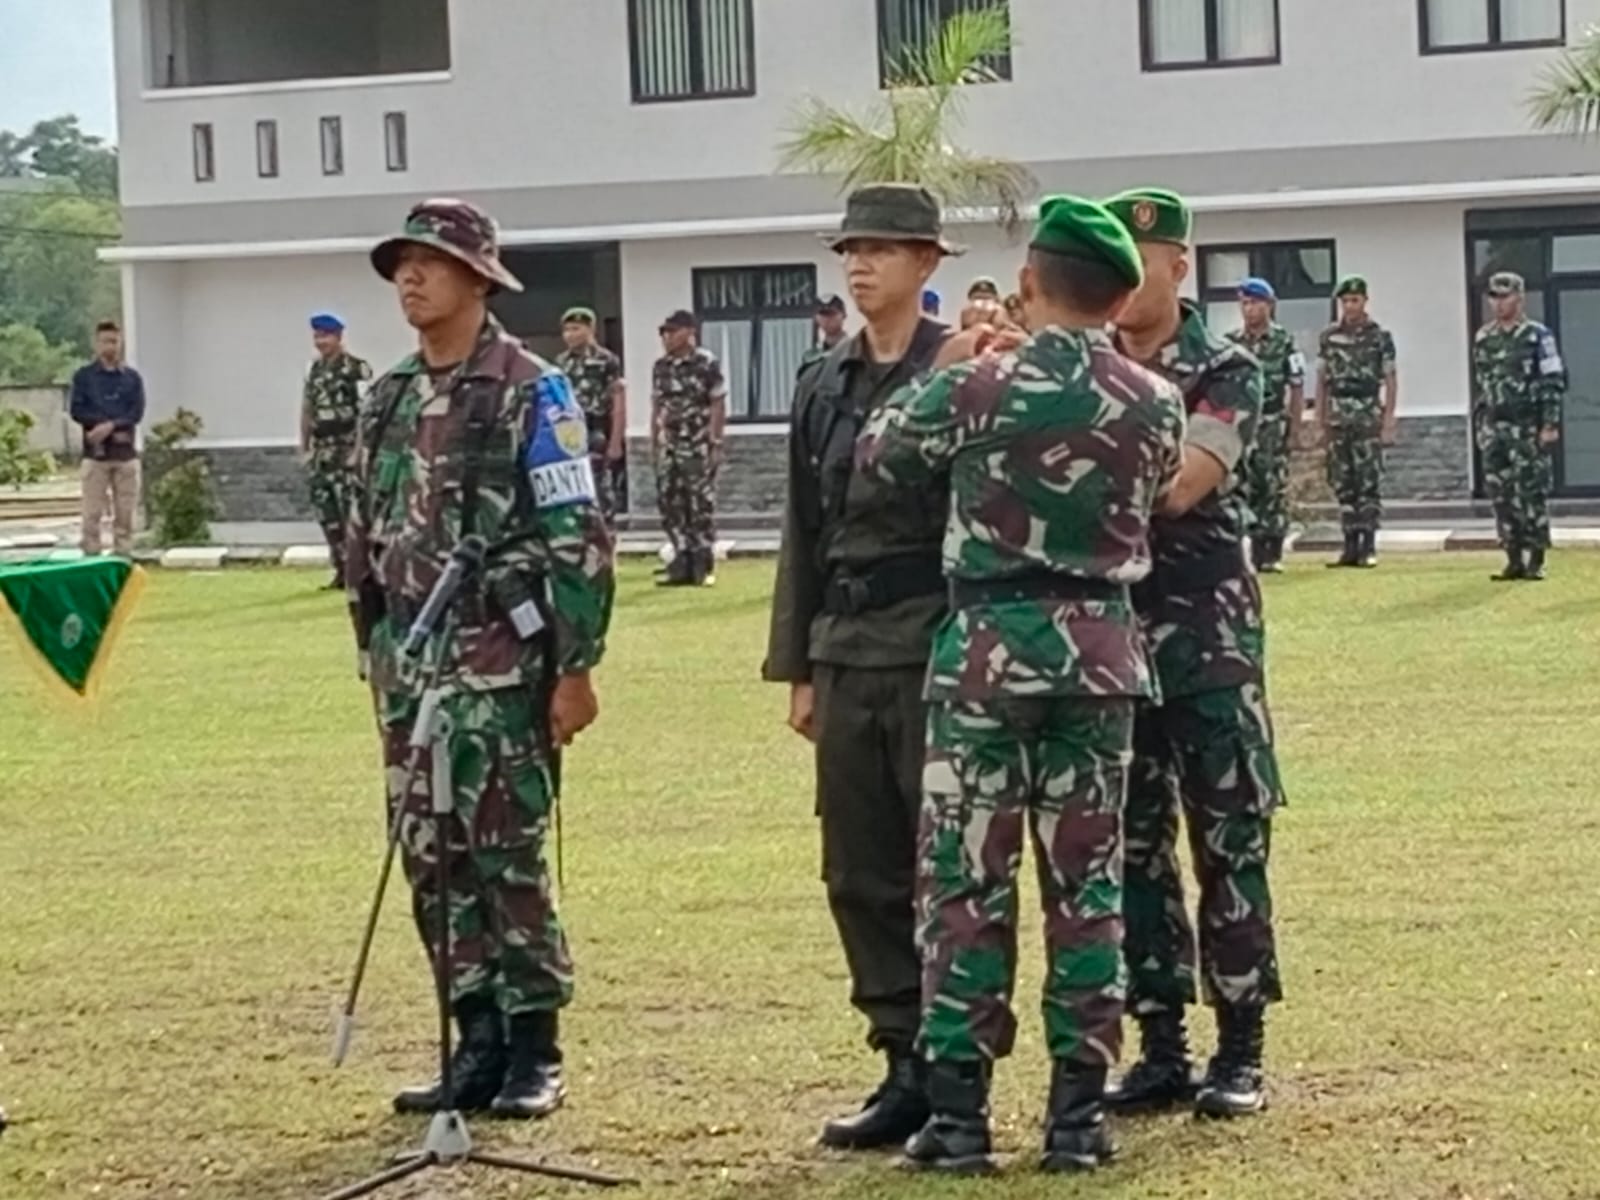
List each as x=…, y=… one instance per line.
x=1521, y=383
x=1055, y=455
x=595, y=373
x=1207, y=746
x=818, y=353
x=532, y=501
x=1354, y=361
x=687, y=471
x=1267, y=476
x=332, y=403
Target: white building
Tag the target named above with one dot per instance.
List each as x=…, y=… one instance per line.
x=628, y=149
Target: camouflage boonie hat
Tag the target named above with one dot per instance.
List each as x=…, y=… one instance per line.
x=892, y=212
x=453, y=227
x=1507, y=283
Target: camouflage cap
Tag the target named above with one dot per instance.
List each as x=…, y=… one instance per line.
x=892, y=212
x=1352, y=285
x=453, y=227
x=1153, y=215
x=578, y=315
x=1507, y=283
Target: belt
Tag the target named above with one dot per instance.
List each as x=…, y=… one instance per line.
x=1367, y=395
x=1033, y=585
x=332, y=428
x=885, y=583
x=1191, y=577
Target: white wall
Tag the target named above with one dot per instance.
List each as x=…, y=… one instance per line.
x=540, y=95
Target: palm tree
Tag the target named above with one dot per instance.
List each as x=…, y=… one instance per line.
x=904, y=137
x=1568, y=95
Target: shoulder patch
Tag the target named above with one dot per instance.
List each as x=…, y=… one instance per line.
x=557, y=456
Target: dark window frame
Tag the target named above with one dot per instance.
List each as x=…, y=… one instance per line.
x=268, y=159
x=1003, y=68
x=335, y=126
x=757, y=316
x=401, y=162
x=1213, y=60
x=203, y=151
x=1496, y=42
x=697, y=64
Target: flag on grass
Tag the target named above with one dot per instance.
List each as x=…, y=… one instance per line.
x=69, y=614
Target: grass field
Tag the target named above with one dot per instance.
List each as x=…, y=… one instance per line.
x=183, y=873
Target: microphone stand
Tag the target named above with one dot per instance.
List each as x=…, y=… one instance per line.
x=448, y=1143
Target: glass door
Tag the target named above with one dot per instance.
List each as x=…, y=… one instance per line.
x=1577, y=326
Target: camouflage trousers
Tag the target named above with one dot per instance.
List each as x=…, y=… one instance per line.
x=1267, y=483
x=686, y=478
x=1355, y=473
x=507, y=942
x=1211, y=756
x=333, y=485
x=604, y=480
x=1059, y=766
x=1517, y=472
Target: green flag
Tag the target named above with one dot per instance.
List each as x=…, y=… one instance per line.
x=69, y=613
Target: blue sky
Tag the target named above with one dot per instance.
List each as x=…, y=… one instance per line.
x=55, y=57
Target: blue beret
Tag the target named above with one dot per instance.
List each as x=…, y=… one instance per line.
x=327, y=323
x=930, y=299
x=1255, y=288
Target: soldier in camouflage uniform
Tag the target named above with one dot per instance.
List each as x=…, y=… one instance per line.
x=474, y=435
x=688, y=408
x=830, y=319
x=1283, y=372
x=1206, y=748
x=1357, y=390
x=1520, y=383
x=596, y=376
x=1054, y=454
x=328, y=414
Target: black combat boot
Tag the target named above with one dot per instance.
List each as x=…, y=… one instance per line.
x=705, y=562
x=1367, y=548
x=1272, y=556
x=1514, y=569
x=1233, y=1085
x=1351, y=551
x=679, y=572
x=955, y=1139
x=1076, y=1137
x=1535, y=570
x=1162, y=1078
x=534, y=1084
x=891, y=1114
x=1258, y=551
x=476, y=1067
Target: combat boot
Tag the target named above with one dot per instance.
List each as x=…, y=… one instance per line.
x=1347, y=557
x=476, y=1067
x=1233, y=1085
x=955, y=1139
x=1076, y=1136
x=1535, y=570
x=1513, y=570
x=1272, y=556
x=679, y=572
x=534, y=1085
x=898, y=1109
x=1367, y=548
x=1162, y=1078
x=704, y=568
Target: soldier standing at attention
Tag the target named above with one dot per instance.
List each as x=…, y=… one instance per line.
x=1054, y=456
x=596, y=376
x=1521, y=383
x=1283, y=372
x=859, y=593
x=473, y=435
x=1207, y=746
x=688, y=407
x=328, y=432
x=829, y=320
x=1357, y=390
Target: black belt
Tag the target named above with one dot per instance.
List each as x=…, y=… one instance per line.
x=332, y=428
x=1035, y=585
x=1372, y=395
x=1191, y=577
x=885, y=583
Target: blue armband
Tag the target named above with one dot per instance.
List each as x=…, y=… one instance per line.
x=557, y=456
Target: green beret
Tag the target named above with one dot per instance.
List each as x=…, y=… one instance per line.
x=1351, y=285
x=1079, y=228
x=1153, y=215
x=579, y=315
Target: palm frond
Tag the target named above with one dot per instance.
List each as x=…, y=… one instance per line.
x=976, y=181
x=1568, y=95
x=962, y=53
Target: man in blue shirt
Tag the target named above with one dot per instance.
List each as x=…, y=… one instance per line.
x=108, y=403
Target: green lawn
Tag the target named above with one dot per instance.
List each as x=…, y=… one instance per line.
x=183, y=872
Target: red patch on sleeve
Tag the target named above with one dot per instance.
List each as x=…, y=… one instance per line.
x=1226, y=415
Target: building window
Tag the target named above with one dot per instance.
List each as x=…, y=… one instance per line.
x=758, y=322
x=205, y=154
x=396, y=151
x=332, y=146
x=692, y=49
x=1183, y=34
x=908, y=28
x=1302, y=273
x=1453, y=26
x=267, y=149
